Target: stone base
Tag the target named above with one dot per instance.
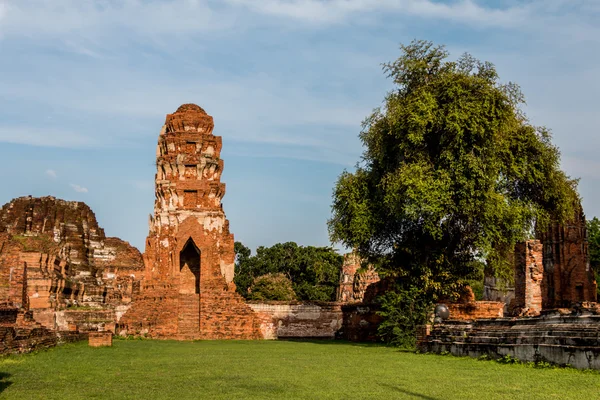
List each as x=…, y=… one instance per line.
x=565, y=340
x=100, y=339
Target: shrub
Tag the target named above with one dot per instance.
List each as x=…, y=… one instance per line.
x=272, y=287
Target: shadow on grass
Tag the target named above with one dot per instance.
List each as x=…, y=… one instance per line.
x=3, y=382
x=408, y=392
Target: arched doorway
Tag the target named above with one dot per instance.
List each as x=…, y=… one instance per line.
x=189, y=267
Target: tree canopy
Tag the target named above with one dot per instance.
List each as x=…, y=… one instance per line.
x=272, y=287
x=313, y=271
x=452, y=172
x=593, y=227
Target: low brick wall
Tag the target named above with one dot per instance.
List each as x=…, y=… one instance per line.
x=14, y=340
x=100, y=339
x=360, y=322
x=565, y=340
x=476, y=310
x=85, y=320
x=298, y=320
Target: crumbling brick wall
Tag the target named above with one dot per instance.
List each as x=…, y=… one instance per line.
x=568, y=278
x=476, y=310
x=355, y=279
x=100, y=339
x=529, y=272
x=292, y=319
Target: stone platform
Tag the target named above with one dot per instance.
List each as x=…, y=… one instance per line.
x=565, y=340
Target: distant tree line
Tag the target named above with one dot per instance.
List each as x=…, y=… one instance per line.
x=287, y=271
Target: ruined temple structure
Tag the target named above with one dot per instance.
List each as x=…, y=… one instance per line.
x=568, y=278
x=189, y=292
x=355, y=279
x=554, y=271
x=58, y=269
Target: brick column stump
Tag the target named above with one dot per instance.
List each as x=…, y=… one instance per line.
x=100, y=339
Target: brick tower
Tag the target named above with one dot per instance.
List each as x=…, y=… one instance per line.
x=189, y=291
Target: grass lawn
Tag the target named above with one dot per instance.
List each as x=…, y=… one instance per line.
x=147, y=369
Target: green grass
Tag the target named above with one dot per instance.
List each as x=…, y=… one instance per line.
x=146, y=369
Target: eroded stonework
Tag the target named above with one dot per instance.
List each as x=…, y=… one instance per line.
x=568, y=277
x=355, y=279
x=189, y=291
x=57, y=265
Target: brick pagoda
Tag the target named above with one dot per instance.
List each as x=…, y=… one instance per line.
x=189, y=291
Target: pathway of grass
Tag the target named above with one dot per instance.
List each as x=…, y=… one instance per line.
x=275, y=370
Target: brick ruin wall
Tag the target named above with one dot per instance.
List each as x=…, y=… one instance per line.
x=475, y=310
x=355, y=278
x=555, y=291
x=554, y=272
x=15, y=340
x=100, y=339
x=279, y=320
x=567, y=278
x=59, y=274
x=529, y=273
x=360, y=322
x=189, y=291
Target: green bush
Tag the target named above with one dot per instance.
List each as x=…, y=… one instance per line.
x=272, y=287
x=403, y=309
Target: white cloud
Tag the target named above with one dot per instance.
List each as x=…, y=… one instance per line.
x=57, y=17
x=326, y=11
x=98, y=20
x=78, y=189
x=51, y=173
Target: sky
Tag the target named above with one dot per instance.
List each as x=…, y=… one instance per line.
x=85, y=86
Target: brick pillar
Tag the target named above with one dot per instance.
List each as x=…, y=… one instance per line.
x=423, y=332
x=529, y=271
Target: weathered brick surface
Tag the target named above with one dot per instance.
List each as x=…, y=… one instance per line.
x=189, y=291
x=15, y=339
x=360, y=322
x=280, y=319
x=8, y=315
x=529, y=272
x=568, y=278
x=53, y=255
x=354, y=279
x=100, y=339
x=476, y=310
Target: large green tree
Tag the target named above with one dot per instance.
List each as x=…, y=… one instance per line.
x=313, y=271
x=593, y=227
x=452, y=173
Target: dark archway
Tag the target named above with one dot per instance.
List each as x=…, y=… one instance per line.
x=190, y=258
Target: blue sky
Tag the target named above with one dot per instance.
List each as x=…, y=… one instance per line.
x=85, y=86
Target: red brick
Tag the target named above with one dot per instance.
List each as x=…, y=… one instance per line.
x=100, y=339
x=189, y=291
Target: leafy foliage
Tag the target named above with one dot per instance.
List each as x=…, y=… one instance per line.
x=402, y=310
x=593, y=227
x=272, y=287
x=313, y=271
x=452, y=172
